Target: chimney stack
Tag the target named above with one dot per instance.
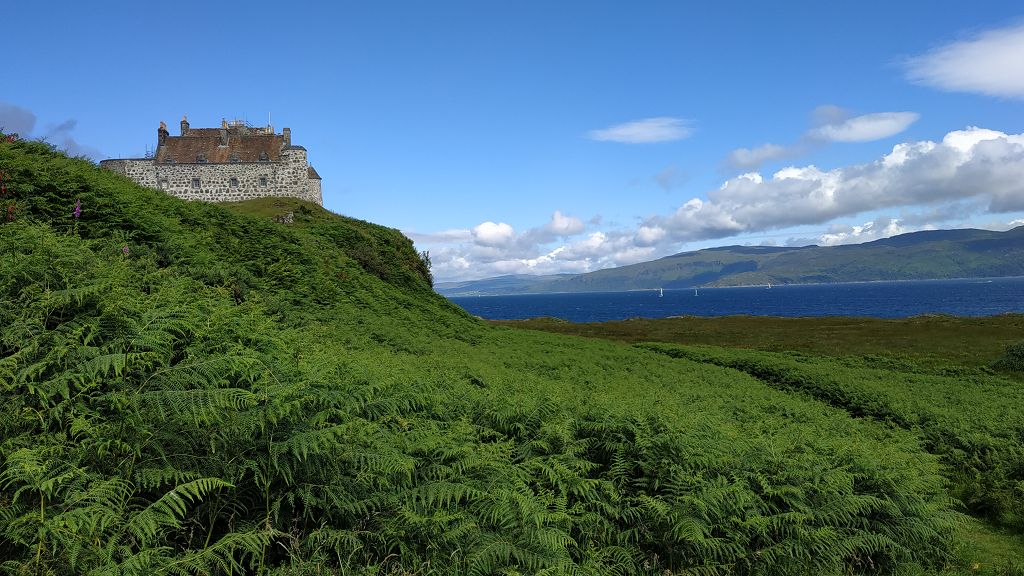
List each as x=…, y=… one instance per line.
x=184, y=125
x=287, y=133
x=223, y=132
x=161, y=134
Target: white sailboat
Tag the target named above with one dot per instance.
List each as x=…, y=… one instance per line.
x=769, y=285
x=661, y=292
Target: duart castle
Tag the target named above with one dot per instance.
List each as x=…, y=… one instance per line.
x=226, y=164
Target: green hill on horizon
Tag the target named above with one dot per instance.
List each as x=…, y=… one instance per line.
x=188, y=388
x=927, y=255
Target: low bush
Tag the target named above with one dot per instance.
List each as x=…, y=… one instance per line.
x=1012, y=360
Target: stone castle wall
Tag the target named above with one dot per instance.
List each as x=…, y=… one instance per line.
x=288, y=177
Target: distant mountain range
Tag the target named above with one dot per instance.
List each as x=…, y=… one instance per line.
x=931, y=254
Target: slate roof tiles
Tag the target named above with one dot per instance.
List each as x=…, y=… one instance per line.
x=206, y=141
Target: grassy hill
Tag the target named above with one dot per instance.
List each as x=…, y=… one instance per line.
x=915, y=256
x=195, y=389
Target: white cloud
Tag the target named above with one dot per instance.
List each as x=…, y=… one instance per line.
x=495, y=248
x=561, y=225
x=989, y=63
x=866, y=128
x=967, y=172
x=601, y=250
x=492, y=234
x=562, y=245
x=661, y=129
x=984, y=165
x=500, y=239
x=831, y=124
x=750, y=158
x=649, y=235
x=877, y=229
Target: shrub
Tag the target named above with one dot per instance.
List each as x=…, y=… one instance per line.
x=1012, y=360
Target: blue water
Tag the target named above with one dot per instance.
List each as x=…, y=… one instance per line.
x=973, y=297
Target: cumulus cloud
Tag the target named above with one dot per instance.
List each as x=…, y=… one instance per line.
x=846, y=233
x=562, y=225
x=493, y=234
x=15, y=119
x=874, y=230
x=648, y=130
x=984, y=165
x=496, y=248
x=560, y=246
x=604, y=249
x=989, y=63
x=649, y=235
x=829, y=124
x=925, y=182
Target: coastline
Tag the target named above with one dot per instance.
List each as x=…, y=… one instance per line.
x=715, y=286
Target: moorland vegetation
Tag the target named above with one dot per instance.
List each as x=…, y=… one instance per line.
x=189, y=388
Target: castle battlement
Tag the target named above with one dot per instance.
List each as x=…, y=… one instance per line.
x=227, y=164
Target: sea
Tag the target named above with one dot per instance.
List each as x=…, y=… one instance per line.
x=964, y=297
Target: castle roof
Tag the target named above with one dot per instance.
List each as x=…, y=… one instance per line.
x=242, y=144
x=311, y=173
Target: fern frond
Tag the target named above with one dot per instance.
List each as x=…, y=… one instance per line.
x=168, y=511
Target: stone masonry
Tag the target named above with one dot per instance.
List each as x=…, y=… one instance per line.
x=232, y=163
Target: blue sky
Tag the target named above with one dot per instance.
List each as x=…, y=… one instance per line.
x=541, y=137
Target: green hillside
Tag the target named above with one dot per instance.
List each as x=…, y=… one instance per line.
x=926, y=255
x=195, y=389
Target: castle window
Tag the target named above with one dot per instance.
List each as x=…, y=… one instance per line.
x=163, y=183
x=263, y=181
x=168, y=160
x=234, y=157
x=195, y=183
x=234, y=183
x=201, y=158
x=264, y=157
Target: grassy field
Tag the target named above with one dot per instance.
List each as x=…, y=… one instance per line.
x=929, y=374
x=944, y=340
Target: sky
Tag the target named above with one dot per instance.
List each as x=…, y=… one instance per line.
x=539, y=137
